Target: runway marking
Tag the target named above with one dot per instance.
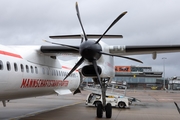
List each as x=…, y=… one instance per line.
x=42, y=111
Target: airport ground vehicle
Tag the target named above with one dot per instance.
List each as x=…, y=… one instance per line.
x=93, y=99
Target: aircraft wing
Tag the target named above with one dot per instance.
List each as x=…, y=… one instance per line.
x=143, y=49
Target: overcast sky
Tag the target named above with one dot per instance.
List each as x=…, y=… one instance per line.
x=148, y=22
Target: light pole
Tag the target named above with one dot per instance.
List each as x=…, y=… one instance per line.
x=164, y=58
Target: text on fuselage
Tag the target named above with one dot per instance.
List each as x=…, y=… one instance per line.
x=33, y=83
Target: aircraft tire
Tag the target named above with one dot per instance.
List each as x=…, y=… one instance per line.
x=99, y=110
x=108, y=110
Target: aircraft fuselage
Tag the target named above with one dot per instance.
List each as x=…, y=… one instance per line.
x=27, y=73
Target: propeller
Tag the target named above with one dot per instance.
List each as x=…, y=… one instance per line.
x=91, y=50
x=79, y=18
x=122, y=57
x=74, y=47
x=75, y=67
x=113, y=23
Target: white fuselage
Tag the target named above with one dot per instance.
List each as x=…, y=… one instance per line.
x=24, y=72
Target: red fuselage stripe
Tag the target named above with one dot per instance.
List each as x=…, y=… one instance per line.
x=18, y=56
x=10, y=54
x=67, y=68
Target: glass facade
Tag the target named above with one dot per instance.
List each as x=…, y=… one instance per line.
x=135, y=79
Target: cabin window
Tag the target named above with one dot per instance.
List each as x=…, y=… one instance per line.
x=61, y=73
x=1, y=65
x=36, y=70
x=57, y=73
x=27, y=68
x=47, y=71
x=43, y=70
x=22, y=68
x=32, y=69
x=54, y=72
x=51, y=72
x=8, y=66
x=15, y=67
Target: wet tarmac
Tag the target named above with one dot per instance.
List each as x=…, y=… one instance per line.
x=154, y=105
x=20, y=108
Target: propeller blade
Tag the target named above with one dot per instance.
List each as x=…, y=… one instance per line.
x=82, y=39
x=74, y=47
x=78, y=36
x=113, y=23
x=79, y=18
x=75, y=67
x=122, y=57
x=96, y=70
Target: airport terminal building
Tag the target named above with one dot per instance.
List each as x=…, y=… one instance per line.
x=139, y=77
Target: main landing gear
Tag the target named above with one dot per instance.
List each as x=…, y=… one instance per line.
x=103, y=107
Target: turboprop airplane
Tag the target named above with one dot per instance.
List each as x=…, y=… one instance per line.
x=30, y=71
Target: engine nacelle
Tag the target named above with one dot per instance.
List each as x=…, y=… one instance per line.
x=88, y=71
